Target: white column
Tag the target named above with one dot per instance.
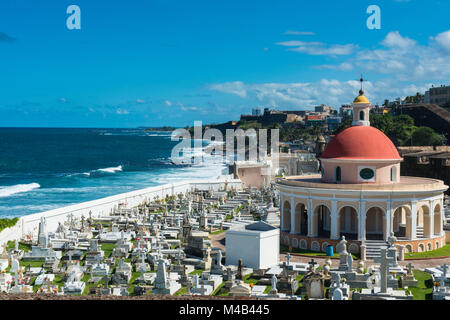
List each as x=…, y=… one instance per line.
x=334, y=220
x=389, y=222
x=292, y=215
x=362, y=221
x=310, y=217
x=431, y=219
x=413, y=220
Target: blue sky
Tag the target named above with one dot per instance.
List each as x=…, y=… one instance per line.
x=165, y=62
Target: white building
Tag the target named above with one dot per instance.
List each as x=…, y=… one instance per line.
x=257, y=244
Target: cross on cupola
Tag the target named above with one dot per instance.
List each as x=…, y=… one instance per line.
x=361, y=108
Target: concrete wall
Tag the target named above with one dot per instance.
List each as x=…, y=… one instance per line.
x=102, y=207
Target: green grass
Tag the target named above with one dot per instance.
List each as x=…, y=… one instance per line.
x=134, y=276
x=284, y=248
x=34, y=264
x=218, y=289
x=181, y=291
x=196, y=272
x=248, y=279
x=424, y=286
x=267, y=289
x=22, y=246
x=7, y=223
x=441, y=252
x=217, y=232
x=58, y=281
x=108, y=248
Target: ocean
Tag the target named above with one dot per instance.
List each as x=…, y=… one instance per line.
x=48, y=168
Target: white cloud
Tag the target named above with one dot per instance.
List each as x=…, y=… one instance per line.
x=140, y=101
x=168, y=103
x=235, y=87
x=394, y=39
x=345, y=66
x=443, y=40
x=402, y=58
x=327, y=91
x=319, y=48
x=300, y=33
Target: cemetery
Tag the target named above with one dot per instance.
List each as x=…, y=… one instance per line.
x=163, y=248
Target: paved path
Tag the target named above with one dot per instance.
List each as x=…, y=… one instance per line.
x=218, y=241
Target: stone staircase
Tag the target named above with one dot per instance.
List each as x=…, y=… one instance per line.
x=373, y=248
x=419, y=232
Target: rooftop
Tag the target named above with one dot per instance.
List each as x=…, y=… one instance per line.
x=406, y=184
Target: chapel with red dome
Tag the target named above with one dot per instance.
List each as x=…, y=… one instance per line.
x=361, y=195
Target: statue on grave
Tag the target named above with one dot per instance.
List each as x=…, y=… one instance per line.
x=240, y=273
x=273, y=281
x=391, y=240
x=349, y=263
x=341, y=247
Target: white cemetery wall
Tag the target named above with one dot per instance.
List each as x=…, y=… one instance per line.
x=102, y=207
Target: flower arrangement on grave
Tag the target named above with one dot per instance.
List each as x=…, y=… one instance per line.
x=437, y=284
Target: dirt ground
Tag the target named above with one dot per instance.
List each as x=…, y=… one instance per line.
x=218, y=241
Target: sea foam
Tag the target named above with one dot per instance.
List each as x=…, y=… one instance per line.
x=19, y=188
x=111, y=170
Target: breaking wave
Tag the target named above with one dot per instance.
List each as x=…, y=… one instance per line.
x=19, y=188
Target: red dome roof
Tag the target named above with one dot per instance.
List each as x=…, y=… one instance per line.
x=361, y=142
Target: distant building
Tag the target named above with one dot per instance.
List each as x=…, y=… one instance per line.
x=346, y=112
x=256, y=112
x=323, y=109
x=333, y=122
x=439, y=95
x=314, y=121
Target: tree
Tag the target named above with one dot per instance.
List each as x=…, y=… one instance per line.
x=425, y=136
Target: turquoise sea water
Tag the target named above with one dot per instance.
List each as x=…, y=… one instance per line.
x=44, y=169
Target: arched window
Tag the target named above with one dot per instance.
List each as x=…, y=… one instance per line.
x=361, y=115
x=338, y=174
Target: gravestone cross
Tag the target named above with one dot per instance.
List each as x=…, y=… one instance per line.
x=384, y=261
x=409, y=267
x=312, y=265
x=288, y=258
